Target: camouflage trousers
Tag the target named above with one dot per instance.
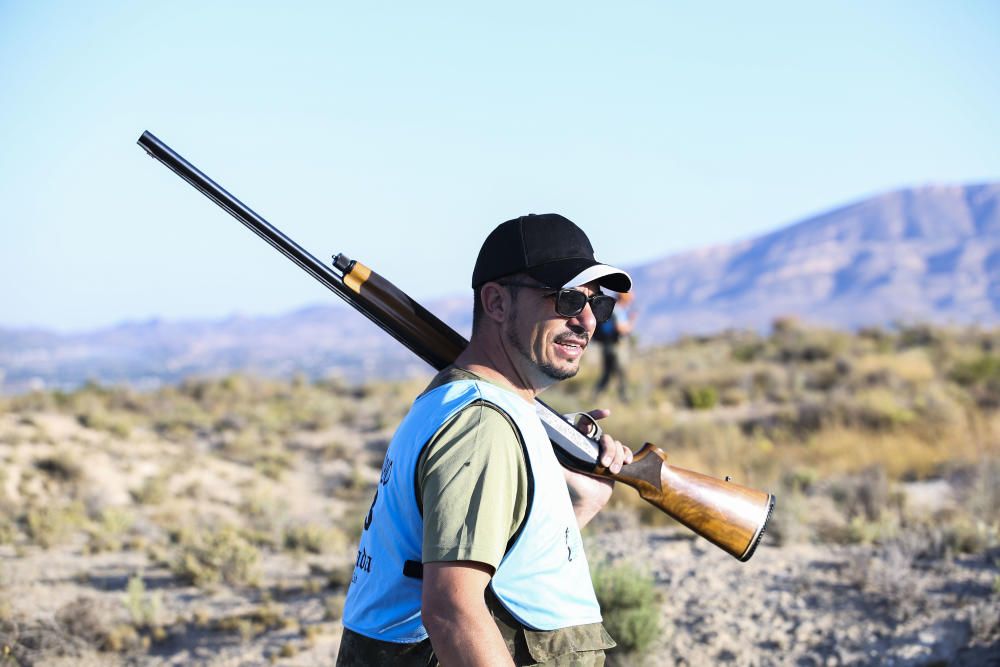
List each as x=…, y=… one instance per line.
x=577, y=646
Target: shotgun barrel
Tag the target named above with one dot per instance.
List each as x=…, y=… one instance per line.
x=730, y=516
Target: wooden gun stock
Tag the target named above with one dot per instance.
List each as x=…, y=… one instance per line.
x=728, y=515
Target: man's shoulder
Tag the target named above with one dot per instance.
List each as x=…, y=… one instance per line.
x=447, y=376
x=480, y=425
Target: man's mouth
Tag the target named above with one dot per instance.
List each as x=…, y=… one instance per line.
x=572, y=346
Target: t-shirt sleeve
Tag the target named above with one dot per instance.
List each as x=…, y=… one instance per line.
x=473, y=487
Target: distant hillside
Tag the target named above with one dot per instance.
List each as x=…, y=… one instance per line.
x=329, y=340
x=921, y=254
x=926, y=254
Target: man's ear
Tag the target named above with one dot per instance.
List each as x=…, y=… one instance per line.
x=496, y=301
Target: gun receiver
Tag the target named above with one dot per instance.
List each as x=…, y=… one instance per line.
x=730, y=516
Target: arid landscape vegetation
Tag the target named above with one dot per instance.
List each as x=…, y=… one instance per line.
x=213, y=521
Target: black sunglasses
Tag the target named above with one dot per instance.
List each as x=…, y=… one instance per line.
x=571, y=302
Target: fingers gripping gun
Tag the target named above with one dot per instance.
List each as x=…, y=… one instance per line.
x=729, y=515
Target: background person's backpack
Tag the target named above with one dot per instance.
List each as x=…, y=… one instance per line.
x=607, y=331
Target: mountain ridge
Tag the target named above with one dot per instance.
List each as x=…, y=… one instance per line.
x=930, y=253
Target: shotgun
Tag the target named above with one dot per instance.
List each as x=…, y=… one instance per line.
x=728, y=515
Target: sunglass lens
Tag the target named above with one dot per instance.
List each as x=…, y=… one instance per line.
x=602, y=305
x=570, y=302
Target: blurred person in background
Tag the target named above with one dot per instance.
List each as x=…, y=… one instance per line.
x=615, y=338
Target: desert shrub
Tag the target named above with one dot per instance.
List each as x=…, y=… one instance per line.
x=701, y=398
x=749, y=351
x=823, y=376
x=8, y=528
x=98, y=623
x=794, y=343
x=861, y=531
x=917, y=335
x=886, y=577
x=264, y=512
x=34, y=401
x=333, y=607
x=314, y=539
x=339, y=576
x=981, y=496
x=732, y=396
x=982, y=376
x=49, y=525
x=211, y=556
x=152, y=491
x=268, y=616
x=876, y=409
x=768, y=383
x=789, y=523
x=61, y=467
x=969, y=536
x=629, y=605
x=106, y=532
x=177, y=418
x=145, y=609
x=939, y=409
x=800, y=479
x=107, y=422
x=273, y=464
x=909, y=366
x=257, y=447
x=881, y=338
x=865, y=495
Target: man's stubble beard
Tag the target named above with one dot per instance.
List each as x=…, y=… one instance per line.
x=547, y=369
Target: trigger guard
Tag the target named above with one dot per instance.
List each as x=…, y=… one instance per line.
x=574, y=418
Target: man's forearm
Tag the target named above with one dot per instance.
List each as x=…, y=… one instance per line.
x=461, y=638
x=454, y=612
x=584, y=512
x=588, y=494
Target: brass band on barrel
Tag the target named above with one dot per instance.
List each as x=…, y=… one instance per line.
x=357, y=277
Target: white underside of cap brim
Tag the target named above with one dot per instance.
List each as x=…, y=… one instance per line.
x=593, y=273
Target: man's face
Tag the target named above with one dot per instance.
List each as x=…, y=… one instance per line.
x=549, y=345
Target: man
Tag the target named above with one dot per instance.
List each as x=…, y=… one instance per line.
x=471, y=552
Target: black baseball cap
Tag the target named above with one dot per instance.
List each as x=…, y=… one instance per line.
x=550, y=249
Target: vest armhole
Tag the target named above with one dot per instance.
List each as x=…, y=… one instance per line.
x=482, y=403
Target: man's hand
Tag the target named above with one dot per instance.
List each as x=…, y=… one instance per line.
x=590, y=494
x=454, y=612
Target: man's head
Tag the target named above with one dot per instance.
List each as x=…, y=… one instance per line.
x=537, y=284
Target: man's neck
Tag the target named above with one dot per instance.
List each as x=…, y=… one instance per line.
x=499, y=371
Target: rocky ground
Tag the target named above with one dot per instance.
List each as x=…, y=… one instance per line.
x=815, y=605
x=126, y=578
x=800, y=605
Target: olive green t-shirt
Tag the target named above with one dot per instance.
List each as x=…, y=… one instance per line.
x=473, y=483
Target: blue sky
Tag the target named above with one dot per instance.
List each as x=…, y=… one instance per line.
x=400, y=134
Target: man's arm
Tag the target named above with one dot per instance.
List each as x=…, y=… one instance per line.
x=590, y=494
x=473, y=484
x=453, y=609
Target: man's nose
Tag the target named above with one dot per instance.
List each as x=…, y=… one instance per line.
x=586, y=319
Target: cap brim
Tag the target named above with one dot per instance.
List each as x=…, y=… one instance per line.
x=574, y=272
x=606, y=276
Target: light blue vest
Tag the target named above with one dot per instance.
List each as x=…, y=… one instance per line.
x=543, y=580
